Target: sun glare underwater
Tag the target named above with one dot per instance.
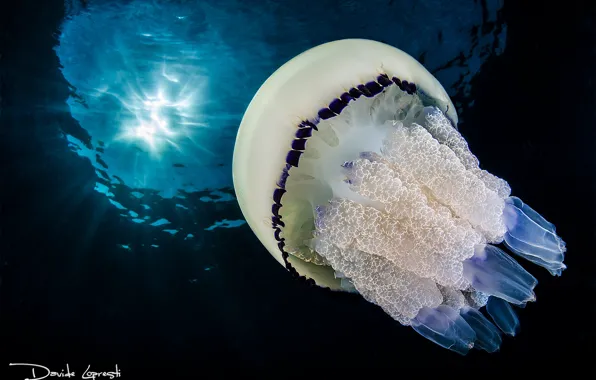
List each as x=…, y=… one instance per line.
x=344, y=156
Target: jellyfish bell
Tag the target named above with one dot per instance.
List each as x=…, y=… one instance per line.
x=349, y=168
x=293, y=96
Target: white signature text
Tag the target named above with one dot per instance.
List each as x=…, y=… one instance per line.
x=40, y=372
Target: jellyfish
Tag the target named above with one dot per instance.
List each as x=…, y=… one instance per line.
x=349, y=168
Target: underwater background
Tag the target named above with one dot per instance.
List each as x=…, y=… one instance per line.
x=128, y=249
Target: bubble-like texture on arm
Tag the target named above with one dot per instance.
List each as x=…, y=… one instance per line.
x=415, y=232
x=418, y=249
x=453, y=297
x=437, y=124
x=400, y=293
x=431, y=208
x=437, y=169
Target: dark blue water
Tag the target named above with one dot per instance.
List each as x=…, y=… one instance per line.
x=114, y=250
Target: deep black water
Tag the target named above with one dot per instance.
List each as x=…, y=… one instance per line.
x=69, y=296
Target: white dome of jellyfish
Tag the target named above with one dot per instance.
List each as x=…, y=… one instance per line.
x=349, y=168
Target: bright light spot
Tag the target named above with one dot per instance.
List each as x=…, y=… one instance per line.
x=157, y=120
x=160, y=87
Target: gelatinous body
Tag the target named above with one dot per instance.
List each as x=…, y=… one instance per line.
x=350, y=169
x=503, y=315
x=530, y=236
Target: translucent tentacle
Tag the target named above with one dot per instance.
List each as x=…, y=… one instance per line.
x=503, y=315
x=446, y=327
x=532, y=237
x=495, y=273
x=488, y=336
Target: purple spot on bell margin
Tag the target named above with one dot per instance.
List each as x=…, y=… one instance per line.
x=275, y=209
x=337, y=105
x=281, y=245
x=365, y=91
x=346, y=98
x=277, y=194
x=355, y=93
x=284, y=176
x=374, y=88
x=397, y=81
x=307, y=123
x=299, y=144
x=277, y=221
x=406, y=87
x=384, y=80
x=276, y=234
x=302, y=133
x=293, y=157
x=326, y=113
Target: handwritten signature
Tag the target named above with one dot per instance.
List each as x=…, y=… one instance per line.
x=44, y=372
